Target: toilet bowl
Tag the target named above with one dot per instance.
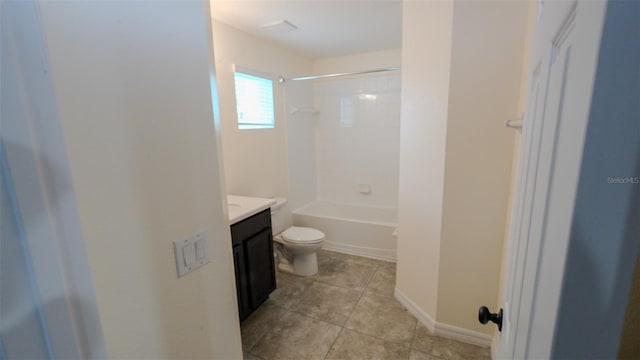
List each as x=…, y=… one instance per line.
x=295, y=246
x=300, y=245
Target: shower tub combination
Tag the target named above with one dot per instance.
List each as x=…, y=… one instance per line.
x=354, y=229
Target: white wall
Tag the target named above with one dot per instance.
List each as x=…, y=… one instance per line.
x=255, y=160
x=22, y=336
x=426, y=62
x=135, y=106
x=308, y=133
x=358, y=139
x=36, y=172
x=357, y=62
x=365, y=148
x=301, y=143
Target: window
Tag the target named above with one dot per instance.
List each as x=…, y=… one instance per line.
x=254, y=99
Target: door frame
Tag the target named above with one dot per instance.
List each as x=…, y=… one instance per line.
x=547, y=280
x=33, y=145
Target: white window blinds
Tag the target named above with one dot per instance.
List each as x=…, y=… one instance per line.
x=254, y=99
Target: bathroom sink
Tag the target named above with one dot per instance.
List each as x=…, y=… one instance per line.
x=242, y=207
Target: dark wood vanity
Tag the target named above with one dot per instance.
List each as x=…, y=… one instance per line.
x=253, y=261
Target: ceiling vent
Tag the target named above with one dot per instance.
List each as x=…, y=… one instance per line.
x=278, y=27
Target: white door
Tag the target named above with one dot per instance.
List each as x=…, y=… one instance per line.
x=563, y=67
x=47, y=304
x=23, y=329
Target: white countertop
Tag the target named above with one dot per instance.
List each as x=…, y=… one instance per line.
x=242, y=207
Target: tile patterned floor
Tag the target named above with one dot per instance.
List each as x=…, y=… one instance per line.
x=346, y=311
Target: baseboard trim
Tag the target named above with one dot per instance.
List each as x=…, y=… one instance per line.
x=373, y=253
x=441, y=329
x=424, y=318
x=464, y=335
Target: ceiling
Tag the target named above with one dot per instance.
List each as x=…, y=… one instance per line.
x=325, y=28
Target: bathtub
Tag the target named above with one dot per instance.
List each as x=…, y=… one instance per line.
x=352, y=229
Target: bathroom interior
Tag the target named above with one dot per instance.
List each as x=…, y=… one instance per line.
x=328, y=165
x=337, y=166
x=404, y=175
x=331, y=156
x=333, y=150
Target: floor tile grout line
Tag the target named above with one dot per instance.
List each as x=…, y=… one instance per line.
x=415, y=330
x=257, y=342
x=338, y=254
x=312, y=318
x=362, y=294
x=346, y=258
x=365, y=292
x=266, y=332
x=333, y=343
x=430, y=351
x=358, y=303
x=258, y=356
x=303, y=315
x=372, y=275
x=378, y=268
x=342, y=287
x=250, y=351
x=344, y=326
x=314, y=280
x=377, y=338
x=306, y=289
x=315, y=318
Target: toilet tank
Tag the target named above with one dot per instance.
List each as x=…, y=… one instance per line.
x=280, y=216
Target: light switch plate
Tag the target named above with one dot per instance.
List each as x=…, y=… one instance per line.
x=191, y=253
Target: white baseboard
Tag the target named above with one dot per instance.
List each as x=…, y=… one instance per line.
x=424, y=318
x=379, y=254
x=464, y=335
x=441, y=329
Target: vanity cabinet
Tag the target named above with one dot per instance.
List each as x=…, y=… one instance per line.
x=253, y=261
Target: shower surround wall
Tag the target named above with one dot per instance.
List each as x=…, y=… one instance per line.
x=351, y=139
x=358, y=139
x=301, y=152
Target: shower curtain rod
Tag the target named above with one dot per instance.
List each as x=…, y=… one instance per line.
x=282, y=80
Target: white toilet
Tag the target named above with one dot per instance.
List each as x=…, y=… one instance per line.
x=295, y=246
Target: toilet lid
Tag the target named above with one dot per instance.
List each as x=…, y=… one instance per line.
x=298, y=234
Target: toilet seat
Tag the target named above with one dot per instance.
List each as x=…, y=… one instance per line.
x=302, y=235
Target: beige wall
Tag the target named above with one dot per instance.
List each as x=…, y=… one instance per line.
x=486, y=67
x=255, y=160
x=453, y=212
x=426, y=61
x=357, y=62
x=132, y=82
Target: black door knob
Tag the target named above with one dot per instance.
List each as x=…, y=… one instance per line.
x=484, y=316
